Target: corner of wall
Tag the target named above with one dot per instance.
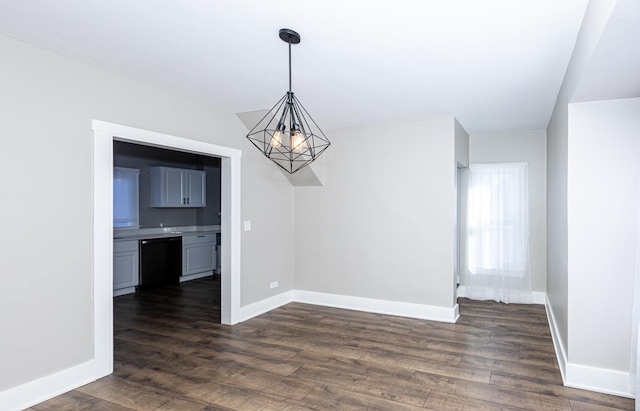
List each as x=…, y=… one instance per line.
x=263, y=306
x=461, y=144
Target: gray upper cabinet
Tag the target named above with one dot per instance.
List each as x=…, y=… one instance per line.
x=177, y=187
x=197, y=186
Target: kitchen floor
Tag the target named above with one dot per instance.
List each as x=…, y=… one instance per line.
x=185, y=302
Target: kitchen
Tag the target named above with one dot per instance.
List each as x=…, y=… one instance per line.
x=166, y=218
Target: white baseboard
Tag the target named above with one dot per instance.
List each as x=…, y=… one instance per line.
x=539, y=297
x=253, y=310
x=42, y=389
x=561, y=356
x=598, y=379
x=586, y=377
x=402, y=309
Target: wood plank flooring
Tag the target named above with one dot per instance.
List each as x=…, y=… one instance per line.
x=171, y=354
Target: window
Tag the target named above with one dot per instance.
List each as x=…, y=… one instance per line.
x=125, y=197
x=498, y=219
x=497, y=234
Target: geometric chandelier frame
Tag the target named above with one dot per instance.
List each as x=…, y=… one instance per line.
x=287, y=134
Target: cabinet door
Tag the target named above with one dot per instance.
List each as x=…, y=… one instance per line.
x=177, y=187
x=195, y=183
x=198, y=254
x=125, y=264
x=173, y=193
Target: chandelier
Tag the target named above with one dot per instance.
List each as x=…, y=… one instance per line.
x=287, y=134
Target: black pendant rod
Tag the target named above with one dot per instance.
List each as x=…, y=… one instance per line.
x=289, y=64
x=291, y=37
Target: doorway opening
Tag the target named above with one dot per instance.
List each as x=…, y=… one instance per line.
x=104, y=135
x=186, y=263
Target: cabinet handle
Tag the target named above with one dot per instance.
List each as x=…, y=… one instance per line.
x=187, y=200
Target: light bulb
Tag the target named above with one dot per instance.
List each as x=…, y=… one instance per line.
x=297, y=141
x=276, y=140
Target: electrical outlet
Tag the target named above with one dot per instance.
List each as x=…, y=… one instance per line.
x=273, y=284
x=247, y=225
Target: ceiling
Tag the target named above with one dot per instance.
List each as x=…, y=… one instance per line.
x=496, y=65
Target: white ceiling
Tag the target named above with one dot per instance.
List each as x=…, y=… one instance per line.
x=496, y=65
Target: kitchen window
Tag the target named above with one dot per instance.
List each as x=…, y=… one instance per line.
x=125, y=197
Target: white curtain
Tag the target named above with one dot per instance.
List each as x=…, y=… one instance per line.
x=497, y=243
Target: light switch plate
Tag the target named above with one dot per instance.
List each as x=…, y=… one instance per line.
x=247, y=225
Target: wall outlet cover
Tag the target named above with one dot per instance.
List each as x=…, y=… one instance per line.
x=274, y=284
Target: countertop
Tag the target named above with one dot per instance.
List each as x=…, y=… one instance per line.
x=161, y=232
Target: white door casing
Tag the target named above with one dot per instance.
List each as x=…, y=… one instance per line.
x=103, y=136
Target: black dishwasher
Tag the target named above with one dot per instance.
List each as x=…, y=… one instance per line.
x=160, y=262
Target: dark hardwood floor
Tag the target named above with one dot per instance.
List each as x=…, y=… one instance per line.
x=171, y=354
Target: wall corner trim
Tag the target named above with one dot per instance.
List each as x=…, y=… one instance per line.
x=397, y=308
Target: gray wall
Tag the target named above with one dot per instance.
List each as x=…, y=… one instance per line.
x=592, y=153
x=603, y=203
x=47, y=104
x=596, y=17
x=382, y=226
x=145, y=157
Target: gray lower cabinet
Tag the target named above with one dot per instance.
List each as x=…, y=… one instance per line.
x=198, y=256
x=125, y=266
